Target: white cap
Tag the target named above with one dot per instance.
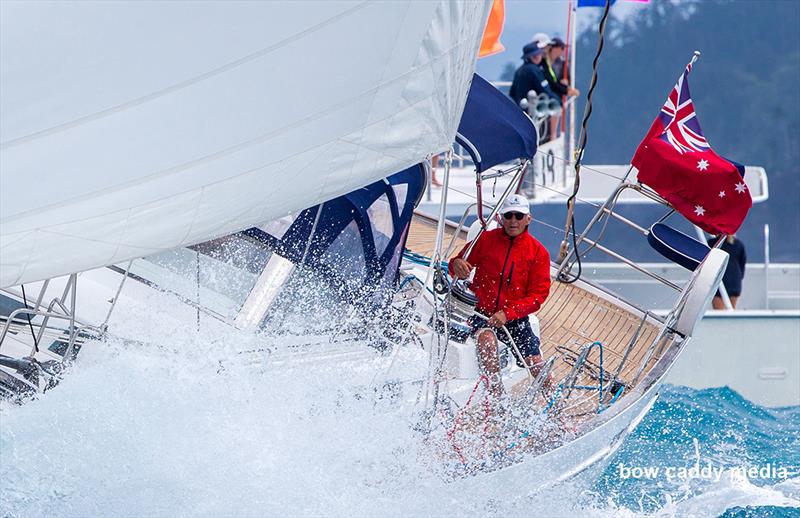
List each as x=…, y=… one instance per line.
x=516, y=203
x=542, y=39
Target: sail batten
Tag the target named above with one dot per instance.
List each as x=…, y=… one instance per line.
x=110, y=162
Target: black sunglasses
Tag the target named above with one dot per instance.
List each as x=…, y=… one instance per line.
x=518, y=215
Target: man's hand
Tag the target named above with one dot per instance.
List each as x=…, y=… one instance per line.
x=498, y=319
x=573, y=92
x=461, y=268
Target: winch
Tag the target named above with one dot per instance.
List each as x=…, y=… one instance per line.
x=461, y=308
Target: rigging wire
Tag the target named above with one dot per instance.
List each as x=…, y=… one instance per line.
x=570, y=224
x=440, y=314
x=586, y=167
x=197, y=279
x=600, y=235
x=548, y=225
x=543, y=186
x=425, y=261
x=571, y=231
x=561, y=193
x=582, y=200
x=33, y=334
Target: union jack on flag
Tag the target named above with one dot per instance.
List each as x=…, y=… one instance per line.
x=681, y=127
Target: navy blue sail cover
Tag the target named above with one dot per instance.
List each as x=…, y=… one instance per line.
x=493, y=129
x=356, y=240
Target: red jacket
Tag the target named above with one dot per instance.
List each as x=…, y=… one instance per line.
x=512, y=274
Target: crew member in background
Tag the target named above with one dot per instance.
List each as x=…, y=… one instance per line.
x=553, y=54
x=529, y=76
x=734, y=273
x=557, y=62
x=554, y=49
x=512, y=280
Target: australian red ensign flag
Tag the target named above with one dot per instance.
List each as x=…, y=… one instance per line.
x=676, y=161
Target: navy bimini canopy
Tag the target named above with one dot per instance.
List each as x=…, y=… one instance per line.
x=356, y=240
x=493, y=129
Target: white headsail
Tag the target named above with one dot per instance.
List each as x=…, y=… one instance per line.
x=127, y=128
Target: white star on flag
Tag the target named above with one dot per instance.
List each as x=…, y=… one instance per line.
x=721, y=194
x=702, y=164
x=699, y=210
x=740, y=187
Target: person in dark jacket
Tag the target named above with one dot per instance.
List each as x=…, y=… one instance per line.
x=734, y=273
x=512, y=280
x=529, y=76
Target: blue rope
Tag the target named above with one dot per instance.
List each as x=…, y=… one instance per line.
x=514, y=444
x=416, y=258
x=407, y=280
x=613, y=399
x=559, y=389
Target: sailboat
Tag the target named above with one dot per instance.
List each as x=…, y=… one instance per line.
x=276, y=179
x=607, y=356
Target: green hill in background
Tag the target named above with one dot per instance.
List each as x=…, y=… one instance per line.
x=746, y=89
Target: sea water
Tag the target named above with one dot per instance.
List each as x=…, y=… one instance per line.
x=197, y=427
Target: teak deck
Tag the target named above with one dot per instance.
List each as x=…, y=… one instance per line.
x=573, y=317
x=422, y=235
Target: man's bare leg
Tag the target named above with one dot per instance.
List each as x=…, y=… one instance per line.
x=434, y=164
x=554, y=128
x=718, y=303
x=490, y=363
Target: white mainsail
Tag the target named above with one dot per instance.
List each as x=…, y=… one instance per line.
x=128, y=128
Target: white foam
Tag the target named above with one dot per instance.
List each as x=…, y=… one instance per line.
x=191, y=427
x=165, y=431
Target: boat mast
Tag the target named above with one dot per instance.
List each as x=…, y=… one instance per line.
x=572, y=21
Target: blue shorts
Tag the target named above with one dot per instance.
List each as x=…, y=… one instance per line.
x=519, y=329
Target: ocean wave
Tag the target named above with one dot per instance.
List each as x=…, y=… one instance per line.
x=744, y=456
x=200, y=427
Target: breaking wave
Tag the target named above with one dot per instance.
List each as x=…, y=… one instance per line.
x=202, y=427
x=716, y=454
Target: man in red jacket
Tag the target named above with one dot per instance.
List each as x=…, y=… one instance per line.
x=512, y=280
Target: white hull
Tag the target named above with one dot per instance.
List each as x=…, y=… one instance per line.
x=620, y=327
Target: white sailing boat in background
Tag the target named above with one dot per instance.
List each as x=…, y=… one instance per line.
x=204, y=145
